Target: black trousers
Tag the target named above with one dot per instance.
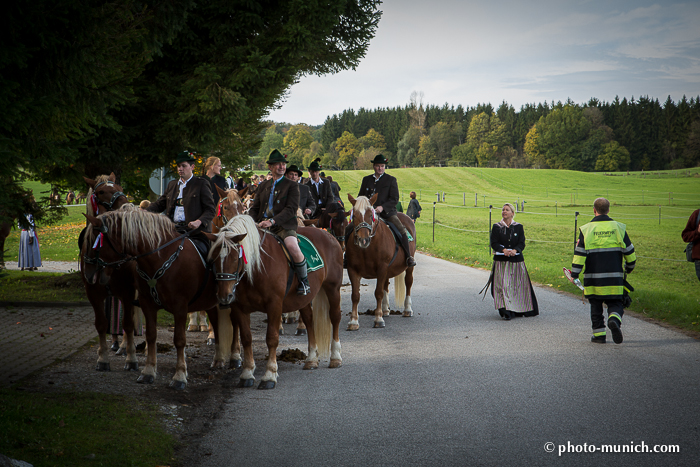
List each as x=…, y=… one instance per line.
x=697, y=268
x=597, y=318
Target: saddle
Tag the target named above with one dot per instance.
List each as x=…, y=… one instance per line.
x=314, y=261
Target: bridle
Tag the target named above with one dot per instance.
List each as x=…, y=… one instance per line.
x=240, y=270
x=340, y=238
x=115, y=196
x=365, y=225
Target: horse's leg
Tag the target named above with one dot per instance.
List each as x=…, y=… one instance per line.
x=301, y=326
x=333, y=294
x=407, y=310
x=385, y=299
x=312, y=359
x=354, y=323
x=98, y=305
x=280, y=330
x=179, y=380
x=203, y=325
x=379, y=296
x=211, y=337
x=193, y=326
x=274, y=317
x=132, y=362
x=247, y=378
x=150, y=312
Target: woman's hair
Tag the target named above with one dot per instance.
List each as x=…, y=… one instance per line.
x=210, y=163
x=413, y=195
x=512, y=208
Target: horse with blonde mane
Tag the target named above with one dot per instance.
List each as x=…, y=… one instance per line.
x=372, y=253
x=252, y=275
x=172, y=275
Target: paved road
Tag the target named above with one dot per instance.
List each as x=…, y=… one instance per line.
x=455, y=385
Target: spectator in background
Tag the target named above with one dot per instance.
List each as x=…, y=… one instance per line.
x=335, y=189
x=212, y=172
x=691, y=233
x=29, y=252
x=414, y=207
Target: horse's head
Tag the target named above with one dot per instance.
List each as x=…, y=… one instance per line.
x=98, y=251
x=338, y=222
x=234, y=254
x=364, y=219
x=230, y=205
x=106, y=193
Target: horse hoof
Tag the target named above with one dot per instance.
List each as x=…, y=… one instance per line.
x=407, y=314
x=102, y=366
x=379, y=324
x=131, y=366
x=203, y=328
x=310, y=365
x=246, y=383
x=335, y=363
x=266, y=385
x=145, y=379
x=177, y=385
x=353, y=327
x=114, y=346
x=236, y=364
x=300, y=332
x=211, y=341
x=192, y=328
x=281, y=332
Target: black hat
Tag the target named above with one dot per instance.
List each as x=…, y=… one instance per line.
x=294, y=168
x=315, y=166
x=379, y=160
x=275, y=157
x=185, y=156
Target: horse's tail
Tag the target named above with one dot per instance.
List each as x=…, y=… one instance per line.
x=322, y=323
x=400, y=289
x=225, y=337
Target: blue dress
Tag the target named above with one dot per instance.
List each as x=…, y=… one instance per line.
x=29, y=254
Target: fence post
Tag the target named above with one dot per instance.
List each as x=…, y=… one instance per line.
x=434, y=204
x=489, y=229
x=476, y=199
x=438, y=196
x=575, y=228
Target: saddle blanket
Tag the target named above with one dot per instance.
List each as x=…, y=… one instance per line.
x=314, y=261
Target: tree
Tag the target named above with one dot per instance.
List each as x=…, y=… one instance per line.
x=464, y=153
x=408, y=147
x=416, y=111
x=613, y=158
x=373, y=139
x=298, y=139
x=531, y=151
x=348, y=148
x=444, y=137
x=272, y=140
x=426, y=151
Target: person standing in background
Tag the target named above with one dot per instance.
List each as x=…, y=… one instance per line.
x=29, y=248
x=691, y=233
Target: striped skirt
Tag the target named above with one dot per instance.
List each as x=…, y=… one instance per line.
x=114, y=309
x=512, y=288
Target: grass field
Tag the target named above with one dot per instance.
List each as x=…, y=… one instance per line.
x=654, y=206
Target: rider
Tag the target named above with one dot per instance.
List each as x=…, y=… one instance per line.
x=306, y=202
x=387, y=190
x=188, y=201
x=320, y=189
x=275, y=208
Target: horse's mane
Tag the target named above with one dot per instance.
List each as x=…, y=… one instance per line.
x=89, y=238
x=362, y=205
x=250, y=244
x=138, y=225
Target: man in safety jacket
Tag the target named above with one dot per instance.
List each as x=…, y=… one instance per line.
x=602, y=245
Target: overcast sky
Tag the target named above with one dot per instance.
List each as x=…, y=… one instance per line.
x=520, y=51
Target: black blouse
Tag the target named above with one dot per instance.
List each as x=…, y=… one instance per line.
x=511, y=238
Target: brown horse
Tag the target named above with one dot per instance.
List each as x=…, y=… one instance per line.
x=253, y=276
x=172, y=276
x=334, y=219
x=372, y=253
x=108, y=196
x=70, y=197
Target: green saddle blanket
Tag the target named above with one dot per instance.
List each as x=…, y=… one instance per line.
x=314, y=261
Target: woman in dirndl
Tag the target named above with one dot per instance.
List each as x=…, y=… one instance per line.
x=511, y=288
x=29, y=253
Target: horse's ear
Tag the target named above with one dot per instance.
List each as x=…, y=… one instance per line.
x=333, y=214
x=242, y=192
x=347, y=213
x=212, y=238
x=222, y=193
x=93, y=220
x=373, y=199
x=239, y=238
x=112, y=177
x=351, y=199
x=90, y=182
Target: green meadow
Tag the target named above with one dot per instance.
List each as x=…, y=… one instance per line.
x=655, y=206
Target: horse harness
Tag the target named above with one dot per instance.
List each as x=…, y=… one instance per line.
x=373, y=231
x=115, y=196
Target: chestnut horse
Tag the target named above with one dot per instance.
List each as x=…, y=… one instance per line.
x=172, y=276
x=334, y=219
x=372, y=253
x=253, y=276
x=106, y=195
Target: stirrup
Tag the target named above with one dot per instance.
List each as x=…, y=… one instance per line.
x=304, y=287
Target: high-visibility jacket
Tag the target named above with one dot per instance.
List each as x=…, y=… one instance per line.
x=601, y=247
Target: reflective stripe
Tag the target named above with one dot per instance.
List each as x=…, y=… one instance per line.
x=599, y=332
x=578, y=249
x=605, y=250
x=606, y=290
x=576, y=268
x=614, y=314
x=629, y=248
x=601, y=275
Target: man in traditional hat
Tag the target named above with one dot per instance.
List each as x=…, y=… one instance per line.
x=387, y=190
x=275, y=208
x=306, y=201
x=188, y=201
x=320, y=189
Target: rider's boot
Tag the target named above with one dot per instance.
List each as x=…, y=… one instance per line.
x=300, y=269
x=410, y=262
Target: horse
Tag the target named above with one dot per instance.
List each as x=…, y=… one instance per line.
x=80, y=197
x=253, y=276
x=106, y=195
x=334, y=219
x=230, y=205
x=168, y=265
x=70, y=197
x=372, y=253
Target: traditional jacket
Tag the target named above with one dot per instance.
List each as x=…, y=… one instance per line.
x=602, y=245
x=387, y=190
x=324, y=195
x=505, y=237
x=196, y=199
x=285, y=203
x=306, y=201
x=690, y=234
